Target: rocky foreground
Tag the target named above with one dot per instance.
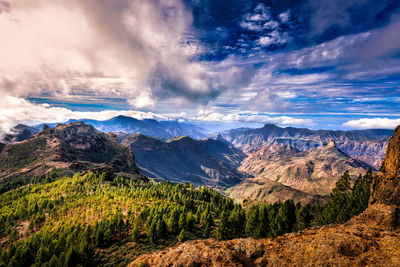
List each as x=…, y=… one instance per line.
x=370, y=239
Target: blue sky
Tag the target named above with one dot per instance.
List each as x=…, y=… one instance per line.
x=219, y=64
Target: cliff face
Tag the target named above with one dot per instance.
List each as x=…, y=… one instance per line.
x=372, y=238
x=385, y=188
x=365, y=145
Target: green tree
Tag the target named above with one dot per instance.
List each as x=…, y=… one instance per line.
x=338, y=207
x=252, y=221
x=135, y=233
x=182, y=236
x=222, y=231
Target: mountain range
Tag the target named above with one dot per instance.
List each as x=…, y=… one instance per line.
x=183, y=159
x=149, y=127
x=365, y=145
x=270, y=163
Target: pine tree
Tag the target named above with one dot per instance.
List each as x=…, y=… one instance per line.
x=286, y=217
x=303, y=217
x=190, y=221
x=222, y=231
x=263, y=222
x=252, y=221
x=338, y=207
x=182, y=236
x=152, y=232
x=182, y=221
x=135, y=233
x=161, y=228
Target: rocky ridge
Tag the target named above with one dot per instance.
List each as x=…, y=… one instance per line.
x=370, y=239
x=73, y=147
x=310, y=174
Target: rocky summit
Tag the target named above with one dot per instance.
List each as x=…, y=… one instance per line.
x=370, y=239
x=68, y=147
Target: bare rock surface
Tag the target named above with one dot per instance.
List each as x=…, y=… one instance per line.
x=282, y=172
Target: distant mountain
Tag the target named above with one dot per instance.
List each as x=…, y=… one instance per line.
x=310, y=175
x=366, y=145
x=149, y=127
x=71, y=147
x=19, y=133
x=183, y=159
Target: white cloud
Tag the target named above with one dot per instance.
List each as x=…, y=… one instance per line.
x=15, y=110
x=271, y=25
x=383, y=123
x=246, y=117
x=119, y=49
x=274, y=37
x=261, y=13
x=284, y=17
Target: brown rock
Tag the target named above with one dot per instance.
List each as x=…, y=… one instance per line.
x=385, y=188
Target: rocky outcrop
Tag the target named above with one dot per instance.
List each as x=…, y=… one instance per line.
x=73, y=147
x=370, y=239
x=386, y=186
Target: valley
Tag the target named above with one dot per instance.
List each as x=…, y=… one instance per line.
x=264, y=164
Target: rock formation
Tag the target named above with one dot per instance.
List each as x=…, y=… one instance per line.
x=69, y=147
x=370, y=239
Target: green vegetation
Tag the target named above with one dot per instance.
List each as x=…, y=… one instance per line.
x=23, y=154
x=89, y=221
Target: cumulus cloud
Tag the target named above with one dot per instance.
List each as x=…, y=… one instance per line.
x=285, y=16
x=15, y=110
x=204, y=115
x=56, y=47
x=383, y=123
x=274, y=37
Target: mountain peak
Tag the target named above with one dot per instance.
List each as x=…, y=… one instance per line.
x=331, y=143
x=270, y=125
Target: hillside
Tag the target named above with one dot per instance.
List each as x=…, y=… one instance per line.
x=371, y=238
x=365, y=145
x=183, y=159
x=304, y=176
x=67, y=148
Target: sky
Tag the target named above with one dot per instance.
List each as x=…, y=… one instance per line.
x=331, y=64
